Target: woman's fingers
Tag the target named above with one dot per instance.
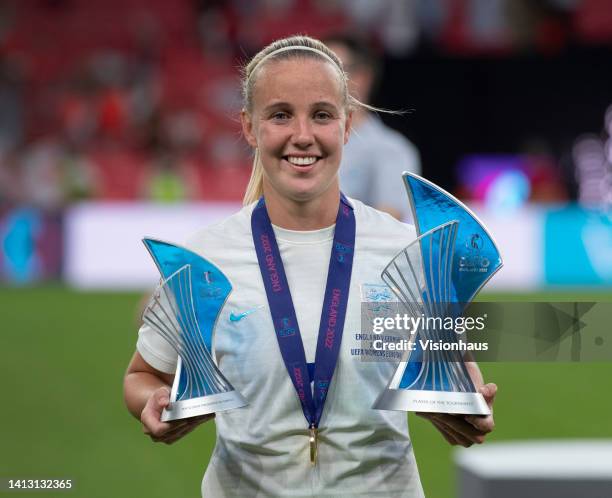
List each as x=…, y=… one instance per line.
x=455, y=428
x=459, y=438
x=459, y=424
x=465, y=434
x=151, y=414
x=488, y=391
x=448, y=435
x=180, y=428
x=166, y=432
x=486, y=423
x=179, y=433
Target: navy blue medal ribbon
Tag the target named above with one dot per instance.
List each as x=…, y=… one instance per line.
x=283, y=312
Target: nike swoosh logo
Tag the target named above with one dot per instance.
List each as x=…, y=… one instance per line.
x=240, y=316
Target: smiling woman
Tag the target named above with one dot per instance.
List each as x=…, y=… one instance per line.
x=297, y=117
x=301, y=254
x=298, y=123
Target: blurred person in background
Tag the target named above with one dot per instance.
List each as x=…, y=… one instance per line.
x=173, y=141
x=54, y=173
x=12, y=125
x=12, y=129
x=11, y=185
x=375, y=155
x=164, y=183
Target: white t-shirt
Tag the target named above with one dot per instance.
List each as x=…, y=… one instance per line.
x=262, y=450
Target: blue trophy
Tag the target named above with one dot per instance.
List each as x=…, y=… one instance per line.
x=183, y=310
x=436, y=277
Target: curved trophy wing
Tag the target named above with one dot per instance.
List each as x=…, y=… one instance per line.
x=211, y=287
x=476, y=254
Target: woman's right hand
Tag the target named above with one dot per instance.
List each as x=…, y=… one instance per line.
x=166, y=432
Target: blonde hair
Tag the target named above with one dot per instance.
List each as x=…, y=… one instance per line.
x=284, y=49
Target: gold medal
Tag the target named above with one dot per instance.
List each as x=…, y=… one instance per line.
x=313, y=444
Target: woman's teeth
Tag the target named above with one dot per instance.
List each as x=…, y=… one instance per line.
x=302, y=161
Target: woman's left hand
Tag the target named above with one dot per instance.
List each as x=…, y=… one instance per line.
x=465, y=430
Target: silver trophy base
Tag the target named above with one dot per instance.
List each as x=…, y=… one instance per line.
x=204, y=405
x=408, y=400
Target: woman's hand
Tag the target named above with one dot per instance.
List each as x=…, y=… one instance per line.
x=166, y=432
x=465, y=430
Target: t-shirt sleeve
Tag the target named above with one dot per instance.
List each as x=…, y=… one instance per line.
x=155, y=350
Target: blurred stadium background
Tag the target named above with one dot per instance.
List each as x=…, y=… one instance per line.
x=118, y=119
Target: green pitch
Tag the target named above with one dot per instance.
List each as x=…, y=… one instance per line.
x=63, y=358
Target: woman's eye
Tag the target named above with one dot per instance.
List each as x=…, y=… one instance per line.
x=280, y=116
x=322, y=116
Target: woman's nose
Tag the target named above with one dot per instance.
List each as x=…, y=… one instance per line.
x=303, y=133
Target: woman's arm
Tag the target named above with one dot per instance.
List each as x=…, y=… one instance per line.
x=146, y=392
x=140, y=382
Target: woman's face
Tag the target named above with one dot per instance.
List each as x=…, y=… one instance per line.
x=299, y=125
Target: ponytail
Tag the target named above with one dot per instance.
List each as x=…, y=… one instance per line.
x=254, y=189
